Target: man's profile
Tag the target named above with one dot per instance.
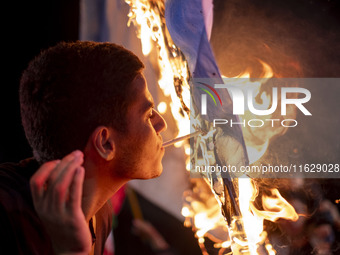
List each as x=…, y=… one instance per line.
x=88, y=116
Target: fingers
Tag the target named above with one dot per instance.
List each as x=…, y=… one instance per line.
x=64, y=163
x=61, y=179
x=51, y=184
x=76, y=189
x=38, y=180
x=57, y=193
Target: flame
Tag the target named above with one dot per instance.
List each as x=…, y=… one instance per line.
x=257, y=139
x=201, y=209
x=202, y=213
x=253, y=224
x=274, y=205
x=148, y=17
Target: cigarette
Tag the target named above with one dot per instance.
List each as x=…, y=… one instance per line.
x=178, y=139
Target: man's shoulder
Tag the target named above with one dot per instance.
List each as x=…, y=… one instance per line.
x=21, y=229
x=19, y=171
x=14, y=183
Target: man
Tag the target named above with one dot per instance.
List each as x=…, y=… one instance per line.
x=87, y=105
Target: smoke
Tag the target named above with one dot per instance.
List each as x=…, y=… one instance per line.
x=297, y=38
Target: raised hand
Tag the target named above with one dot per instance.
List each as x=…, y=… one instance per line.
x=57, y=191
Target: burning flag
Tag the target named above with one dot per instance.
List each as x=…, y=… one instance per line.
x=185, y=21
x=186, y=24
x=179, y=29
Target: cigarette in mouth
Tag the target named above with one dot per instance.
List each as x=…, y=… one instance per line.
x=178, y=139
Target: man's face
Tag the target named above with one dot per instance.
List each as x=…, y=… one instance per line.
x=140, y=150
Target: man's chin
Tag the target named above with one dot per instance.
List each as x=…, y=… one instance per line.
x=158, y=174
x=153, y=174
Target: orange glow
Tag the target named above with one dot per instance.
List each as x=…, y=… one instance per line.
x=146, y=16
x=276, y=207
x=202, y=209
x=257, y=139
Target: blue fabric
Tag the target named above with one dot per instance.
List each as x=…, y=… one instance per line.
x=185, y=22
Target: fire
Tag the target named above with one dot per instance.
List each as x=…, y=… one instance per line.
x=148, y=17
x=202, y=209
x=274, y=205
x=257, y=139
x=202, y=213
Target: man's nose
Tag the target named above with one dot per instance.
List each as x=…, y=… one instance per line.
x=160, y=123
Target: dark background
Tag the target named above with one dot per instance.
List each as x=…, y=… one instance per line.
x=29, y=26
x=287, y=35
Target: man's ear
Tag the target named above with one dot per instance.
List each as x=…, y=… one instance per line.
x=103, y=142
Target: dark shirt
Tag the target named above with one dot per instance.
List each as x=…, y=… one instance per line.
x=21, y=230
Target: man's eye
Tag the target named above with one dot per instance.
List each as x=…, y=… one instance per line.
x=151, y=115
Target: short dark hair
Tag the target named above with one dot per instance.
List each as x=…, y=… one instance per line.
x=70, y=89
